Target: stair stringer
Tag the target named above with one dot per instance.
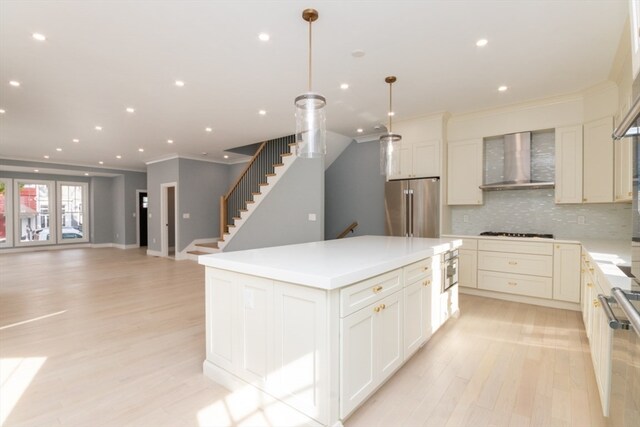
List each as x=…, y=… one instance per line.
x=287, y=161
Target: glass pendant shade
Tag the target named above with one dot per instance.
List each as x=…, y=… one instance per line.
x=311, y=128
x=390, y=154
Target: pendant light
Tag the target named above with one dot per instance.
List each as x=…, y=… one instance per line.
x=311, y=131
x=390, y=142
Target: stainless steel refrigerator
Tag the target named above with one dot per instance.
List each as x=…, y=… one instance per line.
x=412, y=207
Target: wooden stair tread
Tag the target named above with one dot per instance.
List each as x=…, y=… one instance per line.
x=231, y=225
x=292, y=144
x=286, y=154
x=243, y=210
x=213, y=245
x=198, y=253
x=256, y=193
x=236, y=217
x=249, y=201
x=270, y=174
x=262, y=184
x=277, y=165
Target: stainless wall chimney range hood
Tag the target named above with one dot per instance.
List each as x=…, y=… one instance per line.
x=517, y=166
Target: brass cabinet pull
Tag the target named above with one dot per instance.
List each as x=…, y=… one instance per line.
x=376, y=309
x=584, y=199
x=426, y=283
x=596, y=303
x=591, y=269
x=382, y=306
x=629, y=193
x=426, y=268
x=512, y=283
x=513, y=262
x=590, y=285
x=376, y=289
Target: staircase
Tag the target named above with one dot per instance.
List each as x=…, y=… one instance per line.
x=268, y=164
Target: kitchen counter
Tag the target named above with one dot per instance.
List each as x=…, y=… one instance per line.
x=608, y=254
x=330, y=264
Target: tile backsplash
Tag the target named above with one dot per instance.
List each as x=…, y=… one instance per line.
x=535, y=211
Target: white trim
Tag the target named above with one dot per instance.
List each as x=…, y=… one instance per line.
x=9, y=213
x=119, y=246
x=153, y=253
x=192, y=247
x=101, y=245
x=82, y=165
x=164, y=232
x=138, y=217
x=199, y=159
x=46, y=248
x=86, y=215
x=520, y=298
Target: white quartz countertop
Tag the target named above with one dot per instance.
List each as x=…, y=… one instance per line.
x=330, y=264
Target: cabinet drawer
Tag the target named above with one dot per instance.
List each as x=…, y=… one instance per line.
x=505, y=245
x=418, y=270
x=538, y=265
x=355, y=297
x=469, y=244
x=518, y=284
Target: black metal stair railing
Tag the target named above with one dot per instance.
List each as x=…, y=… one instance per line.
x=248, y=184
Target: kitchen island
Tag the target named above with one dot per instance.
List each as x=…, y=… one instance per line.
x=320, y=326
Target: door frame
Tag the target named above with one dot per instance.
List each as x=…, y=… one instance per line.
x=164, y=231
x=138, y=218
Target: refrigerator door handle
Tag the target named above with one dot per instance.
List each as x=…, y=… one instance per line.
x=407, y=213
x=410, y=213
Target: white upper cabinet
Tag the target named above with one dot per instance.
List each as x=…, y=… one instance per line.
x=597, y=172
x=623, y=170
x=569, y=164
x=419, y=159
x=634, y=15
x=465, y=166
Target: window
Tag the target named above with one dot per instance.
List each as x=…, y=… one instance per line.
x=72, y=211
x=34, y=222
x=6, y=210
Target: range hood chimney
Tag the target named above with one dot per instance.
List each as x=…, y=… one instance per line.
x=517, y=165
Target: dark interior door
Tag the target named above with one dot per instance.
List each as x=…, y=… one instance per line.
x=142, y=218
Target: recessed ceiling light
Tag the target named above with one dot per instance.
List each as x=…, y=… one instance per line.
x=141, y=150
x=131, y=110
x=391, y=113
x=98, y=127
x=118, y=156
x=344, y=86
x=359, y=130
x=75, y=140
x=262, y=112
x=208, y=129
x=58, y=149
x=2, y=111
x=86, y=174
x=46, y=156
x=36, y=170
x=39, y=37
x=14, y=83
x=358, y=53
x=179, y=83
x=226, y=156
x=204, y=153
x=482, y=42
x=503, y=88
x=169, y=141
x=101, y=162
x=264, y=37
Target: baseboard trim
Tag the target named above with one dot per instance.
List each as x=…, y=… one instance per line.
x=154, y=253
x=520, y=298
x=251, y=394
x=133, y=246
x=44, y=248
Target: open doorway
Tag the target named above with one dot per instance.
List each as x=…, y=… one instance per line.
x=142, y=215
x=169, y=206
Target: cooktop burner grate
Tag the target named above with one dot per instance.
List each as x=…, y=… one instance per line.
x=506, y=234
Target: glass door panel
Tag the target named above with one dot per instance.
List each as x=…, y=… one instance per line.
x=73, y=216
x=6, y=213
x=35, y=223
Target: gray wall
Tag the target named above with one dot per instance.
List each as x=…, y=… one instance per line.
x=199, y=189
x=111, y=200
x=355, y=191
x=282, y=217
x=101, y=208
x=234, y=172
x=157, y=174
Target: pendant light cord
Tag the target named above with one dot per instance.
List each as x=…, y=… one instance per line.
x=390, y=107
x=309, y=56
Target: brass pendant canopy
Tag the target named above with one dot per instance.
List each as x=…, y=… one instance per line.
x=311, y=131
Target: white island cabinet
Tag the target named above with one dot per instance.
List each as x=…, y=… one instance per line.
x=320, y=326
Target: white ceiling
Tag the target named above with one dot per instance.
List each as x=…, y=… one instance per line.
x=103, y=56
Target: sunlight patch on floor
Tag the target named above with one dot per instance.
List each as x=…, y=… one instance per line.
x=32, y=320
x=16, y=374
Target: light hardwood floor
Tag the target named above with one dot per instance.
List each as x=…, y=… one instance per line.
x=115, y=338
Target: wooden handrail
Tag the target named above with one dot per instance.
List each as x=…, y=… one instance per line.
x=253, y=159
x=348, y=230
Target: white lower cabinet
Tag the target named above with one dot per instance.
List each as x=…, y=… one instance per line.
x=418, y=313
x=468, y=268
x=372, y=349
x=566, y=272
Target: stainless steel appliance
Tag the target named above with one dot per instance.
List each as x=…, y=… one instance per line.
x=509, y=234
x=450, y=263
x=412, y=207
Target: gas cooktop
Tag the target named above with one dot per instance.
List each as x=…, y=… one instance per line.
x=506, y=234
